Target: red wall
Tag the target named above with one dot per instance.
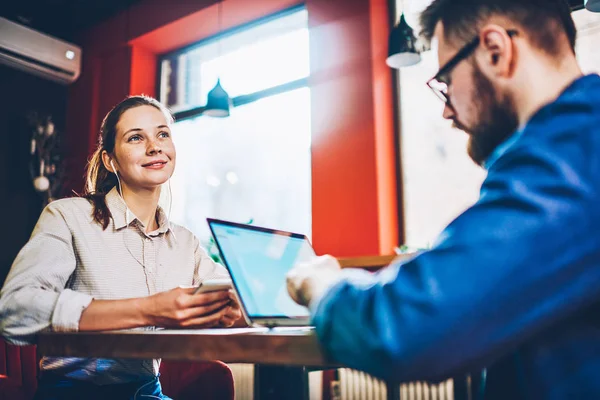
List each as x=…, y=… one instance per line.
x=353, y=155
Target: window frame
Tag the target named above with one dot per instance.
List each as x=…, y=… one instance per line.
x=241, y=100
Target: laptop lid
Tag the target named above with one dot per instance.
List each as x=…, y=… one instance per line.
x=258, y=260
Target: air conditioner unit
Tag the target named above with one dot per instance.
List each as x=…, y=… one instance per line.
x=37, y=53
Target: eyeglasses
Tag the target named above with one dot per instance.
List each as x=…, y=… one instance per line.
x=441, y=81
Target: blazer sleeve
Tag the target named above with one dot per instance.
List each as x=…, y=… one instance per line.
x=521, y=259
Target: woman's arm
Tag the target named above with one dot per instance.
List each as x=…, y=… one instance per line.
x=34, y=296
x=176, y=308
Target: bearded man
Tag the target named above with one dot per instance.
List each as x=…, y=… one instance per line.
x=513, y=284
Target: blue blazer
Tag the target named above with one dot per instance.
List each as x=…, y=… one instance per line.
x=512, y=285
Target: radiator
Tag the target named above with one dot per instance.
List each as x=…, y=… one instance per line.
x=352, y=385
x=424, y=391
x=243, y=381
x=355, y=385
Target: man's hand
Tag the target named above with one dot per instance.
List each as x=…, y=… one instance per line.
x=309, y=281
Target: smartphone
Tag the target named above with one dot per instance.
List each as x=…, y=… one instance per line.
x=213, y=285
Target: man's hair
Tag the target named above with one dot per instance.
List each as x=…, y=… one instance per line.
x=541, y=20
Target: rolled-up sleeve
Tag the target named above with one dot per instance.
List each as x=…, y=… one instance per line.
x=34, y=297
x=68, y=309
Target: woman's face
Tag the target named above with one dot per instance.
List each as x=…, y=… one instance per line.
x=144, y=154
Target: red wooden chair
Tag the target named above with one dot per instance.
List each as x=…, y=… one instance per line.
x=191, y=380
x=18, y=372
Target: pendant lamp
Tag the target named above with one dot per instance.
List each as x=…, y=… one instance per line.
x=218, y=101
x=402, y=49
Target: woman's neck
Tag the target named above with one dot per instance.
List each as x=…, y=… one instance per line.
x=143, y=203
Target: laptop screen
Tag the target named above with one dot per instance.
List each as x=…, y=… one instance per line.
x=258, y=260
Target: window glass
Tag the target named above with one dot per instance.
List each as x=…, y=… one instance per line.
x=251, y=166
x=255, y=165
x=254, y=59
x=440, y=181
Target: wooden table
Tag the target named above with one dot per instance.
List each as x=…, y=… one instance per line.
x=282, y=356
x=371, y=263
x=279, y=346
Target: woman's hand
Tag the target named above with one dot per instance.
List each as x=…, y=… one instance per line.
x=181, y=308
x=232, y=312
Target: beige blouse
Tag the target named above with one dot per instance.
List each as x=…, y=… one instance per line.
x=70, y=260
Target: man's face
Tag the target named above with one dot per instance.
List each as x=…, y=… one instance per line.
x=476, y=106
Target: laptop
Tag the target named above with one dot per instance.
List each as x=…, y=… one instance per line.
x=258, y=260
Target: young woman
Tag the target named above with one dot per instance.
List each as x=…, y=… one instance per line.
x=112, y=260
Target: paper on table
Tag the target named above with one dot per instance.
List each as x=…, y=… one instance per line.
x=234, y=331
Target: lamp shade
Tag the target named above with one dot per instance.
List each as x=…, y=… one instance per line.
x=402, y=50
x=592, y=5
x=218, y=102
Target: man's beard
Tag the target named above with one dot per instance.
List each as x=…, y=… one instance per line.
x=498, y=120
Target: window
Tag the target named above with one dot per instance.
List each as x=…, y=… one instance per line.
x=588, y=35
x=255, y=164
x=440, y=181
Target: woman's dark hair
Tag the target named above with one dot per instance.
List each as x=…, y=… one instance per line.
x=99, y=181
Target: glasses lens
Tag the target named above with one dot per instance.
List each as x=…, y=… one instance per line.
x=440, y=89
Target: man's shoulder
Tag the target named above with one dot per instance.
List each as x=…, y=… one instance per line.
x=573, y=118
x=577, y=106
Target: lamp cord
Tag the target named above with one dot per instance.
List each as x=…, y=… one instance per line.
x=220, y=27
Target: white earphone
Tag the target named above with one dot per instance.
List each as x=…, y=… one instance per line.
x=120, y=190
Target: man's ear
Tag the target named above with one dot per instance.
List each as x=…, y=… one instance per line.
x=496, y=57
x=106, y=160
